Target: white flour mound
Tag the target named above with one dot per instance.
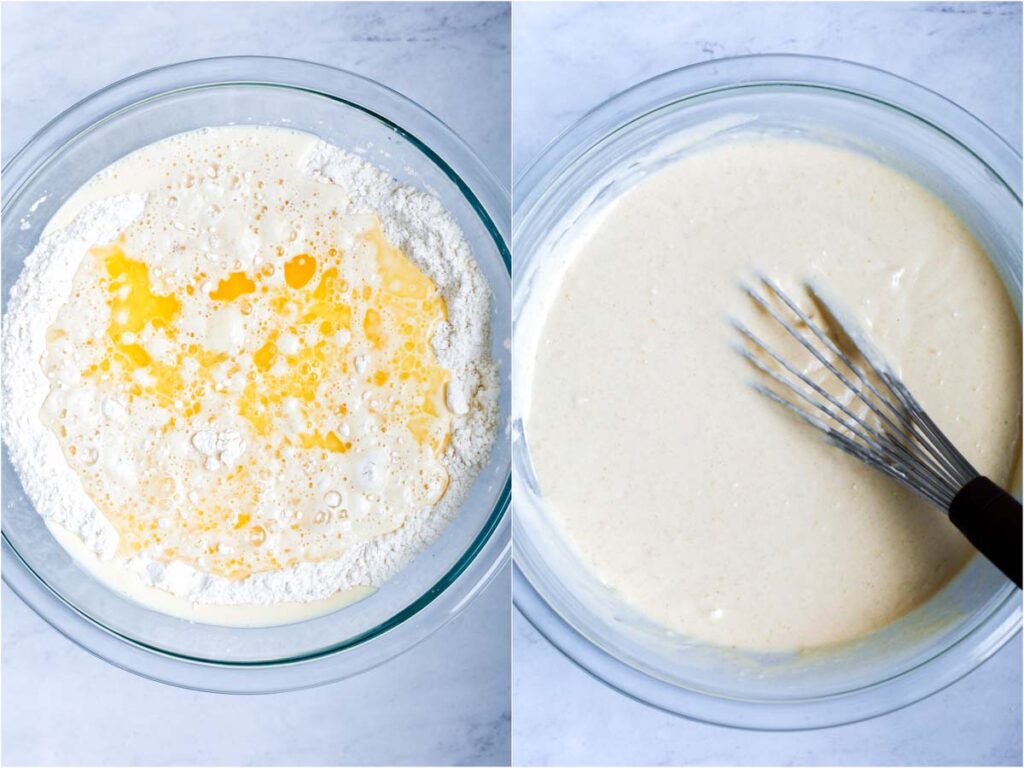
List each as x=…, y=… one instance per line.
x=412, y=220
x=42, y=289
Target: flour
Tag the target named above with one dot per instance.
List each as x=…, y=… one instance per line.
x=412, y=220
x=43, y=287
x=417, y=223
x=218, y=447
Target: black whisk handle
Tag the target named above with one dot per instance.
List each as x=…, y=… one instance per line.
x=990, y=518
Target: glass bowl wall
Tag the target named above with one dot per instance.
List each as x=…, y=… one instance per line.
x=625, y=139
x=416, y=148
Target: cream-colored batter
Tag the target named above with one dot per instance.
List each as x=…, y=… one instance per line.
x=710, y=510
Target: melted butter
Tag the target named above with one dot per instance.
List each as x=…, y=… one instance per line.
x=231, y=287
x=248, y=414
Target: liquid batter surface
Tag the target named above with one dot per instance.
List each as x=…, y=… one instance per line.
x=710, y=510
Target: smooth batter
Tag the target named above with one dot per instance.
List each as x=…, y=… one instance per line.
x=710, y=510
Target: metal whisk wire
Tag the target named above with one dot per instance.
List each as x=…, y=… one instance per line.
x=903, y=442
x=873, y=417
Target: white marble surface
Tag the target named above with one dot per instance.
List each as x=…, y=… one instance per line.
x=567, y=59
x=446, y=701
x=451, y=58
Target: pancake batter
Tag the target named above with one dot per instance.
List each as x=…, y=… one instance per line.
x=711, y=511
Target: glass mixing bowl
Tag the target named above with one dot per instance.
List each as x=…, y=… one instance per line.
x=414, y=146
x=622, y=140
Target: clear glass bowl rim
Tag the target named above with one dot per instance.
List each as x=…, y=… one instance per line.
x=611, y=116
x=491, y=548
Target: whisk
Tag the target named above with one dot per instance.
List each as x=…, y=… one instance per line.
x=872, y=415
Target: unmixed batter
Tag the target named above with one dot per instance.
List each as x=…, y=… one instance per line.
x=709, y=509
x=243, y=343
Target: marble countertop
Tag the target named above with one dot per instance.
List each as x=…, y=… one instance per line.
x=448, y=700
x=567, y=59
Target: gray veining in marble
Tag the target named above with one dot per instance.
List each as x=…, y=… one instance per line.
x=446, y=701
x=451, y=58
x=570, y=57
x=563, y=716
x=567, y=59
